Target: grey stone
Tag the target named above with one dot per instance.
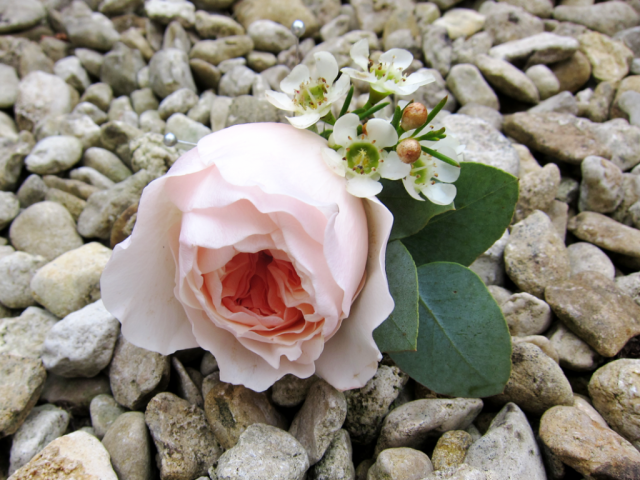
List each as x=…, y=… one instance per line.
x=32, y=190
x=543, y=48
x=367, y=406
x=606, y=233
x=81, y=344
x=92, y=177
x=116, y=136
x=461, y=22
x=54, y=154
x=186, y=129
x=74, y=394
x=104, y=410
x=186, y=446
x=8, y=127
x=106, y=163
x=175, y=36
x=629, y=285
x=10, y=81
x=71, y=71
x=120, y=68
x=263, y=452
x=169, y=71
x=24, y=335
x=451, y=449
x=215, y=51
x=587, y=257
x=201, y=111
x=88, y=29
x=538, y=190
x=212, y=26
x=45, y=229
x=438, y=50
x=72, y=280
x=143, y=100
x=535, y=256
x=119, y=7
x=104, y=207
x=507, y=79
x=100, y=94
x=41, y=94
x=563, y=102
x=150, y=122
x=466, y=49
x=608, y=19
x=509, y=447
x=600, y=102
x=207, y=76
x=618, y=137
x=573, y=353
x=288, y=391
x=186, y=387
x=12, y=155
x=16, y=272
x=467, y=84
x=336, y=463
x=269, y=36
x=9, y=208
x=595, y=310
x=136, y=374
x=490, y=265
x=244, y=109
x=412, y=423
x=336, y=27
x=543, y=343
x=179, y=101
x=20, y=15
x=544, y=79
x=121, y=110
x=506, y=23
x=402, y=462
x=166, y=12
x=244, y=405
x=484, y=144
x=237, y=81
x=260, y=61
x=21, y=381
x=149, y=153
x=629, y=103
x=44, y=424
x=488, y=114
x=129, y=445
x=81, y=127
x=526, y=314
x=90, y=59
x=321, y=416
x=610, y=59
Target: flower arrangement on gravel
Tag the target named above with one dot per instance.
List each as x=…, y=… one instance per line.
x=313, y=247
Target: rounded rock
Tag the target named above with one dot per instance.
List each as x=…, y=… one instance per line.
x=584, y=256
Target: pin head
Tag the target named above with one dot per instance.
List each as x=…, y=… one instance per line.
x=170, y=140
x=298, y=28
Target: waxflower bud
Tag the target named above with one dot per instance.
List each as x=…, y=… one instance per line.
x=409, y=150
x=414, y=116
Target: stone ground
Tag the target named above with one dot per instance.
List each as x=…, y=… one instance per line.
x=550, y=93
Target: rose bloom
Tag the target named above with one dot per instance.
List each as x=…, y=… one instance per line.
x=251, y=248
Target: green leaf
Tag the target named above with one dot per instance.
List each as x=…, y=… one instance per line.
x=485, y=203
x=399, y=332
x=464, y=347
x=409, y=215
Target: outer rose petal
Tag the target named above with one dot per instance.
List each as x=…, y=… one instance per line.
x=350, y=358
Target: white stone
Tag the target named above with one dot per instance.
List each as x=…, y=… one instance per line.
x=24, y=335
x=54, y=154
x=585, y=256
x=9, y=208
x=16, y=272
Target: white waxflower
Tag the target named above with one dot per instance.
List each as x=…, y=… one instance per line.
x=310, y=97
x=433, y=177
x=362, y=159
x=386, y=75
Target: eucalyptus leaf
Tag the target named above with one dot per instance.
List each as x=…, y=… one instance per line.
x=409, y=215
x=485, y=201
x=464, y=346
x=399, y=332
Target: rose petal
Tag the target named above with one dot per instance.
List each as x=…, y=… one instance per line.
x=350, y=358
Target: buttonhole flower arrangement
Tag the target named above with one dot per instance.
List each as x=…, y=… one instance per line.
x=282, y=249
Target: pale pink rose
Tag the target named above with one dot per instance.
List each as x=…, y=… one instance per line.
x=251, y=248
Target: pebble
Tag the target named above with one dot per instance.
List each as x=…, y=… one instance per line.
x=465, y=50
x=186, y=446
x=600, y=102
x=186, y=129
x=201, y=111
x=88, y=29
x=74, y=187
x=508, y=448
x=560, y=135
x=143, y=100
x=20, y=16
x=106, y=163
x=451, y=449
x=572, y=73
x=587, y=446
x=535, y=256
x=16, y=272
x=322, y=414
x=90, y=59
x=544, y=79
x=537, y=382
x=237, y=81
x=54, y=154
x=10, y=82
x=584, y=256
x=593, y=308
x=120, y=68
x=74, y=394
x=24, y=335
x=490, y=265
x=412, y=423
x=489, y=115
x=400, y=463
x=368, y=406
x=41, y=94
x=606, y=233
x=538, y=190
x=166, y=12
x=92, y=177
x=507, y=79
x=608, y=19
x=545, y=48
x=289, y=391
x=618, y=137
x=136, y=375
x=169, y=71
x=506, y=22
x=231, y=409
x=242, y=109
x=467, y=84
x=72, y=280
x=601, y=186
x=461, y=22
x=71, y=71
x=81, y=127
x=613, y=389
x=179, y=101
x=212, y=26
x=610, y=59
x=129, y=445
x=186, y=387
x=484, y=144
x=629, y=103
x=32, y=190
x=21, y=381
x=104, y=207
x=9, y=208
x=12, y=155
x=215, y=51
x=526, y=314
x=270, y=36
x=563, y=102
x=46, y=229
x=336, y=463
x=541, y=342
x=630, y=285
x=121, y=110
x=104, y=410
x=81, y=344
x=44, y=424
x=149, y=153
x=68, y=201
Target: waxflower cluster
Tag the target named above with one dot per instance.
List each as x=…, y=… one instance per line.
x=362, y=146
